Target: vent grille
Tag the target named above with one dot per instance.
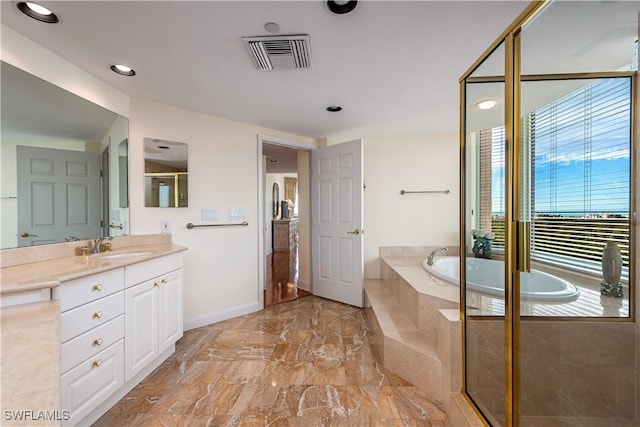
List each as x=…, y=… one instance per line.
x=279, y=52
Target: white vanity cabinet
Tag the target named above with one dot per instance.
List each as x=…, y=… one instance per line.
x=116, y=327
x=153, y=307
x=92, y=341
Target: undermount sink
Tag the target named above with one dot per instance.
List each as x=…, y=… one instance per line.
x=111, y=255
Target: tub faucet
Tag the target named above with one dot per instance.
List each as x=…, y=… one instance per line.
x=433, y=254
x=97, y=243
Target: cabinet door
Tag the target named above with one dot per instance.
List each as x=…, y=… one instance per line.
x=141, y=326
x=170, y=309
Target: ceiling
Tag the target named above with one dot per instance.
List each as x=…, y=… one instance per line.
x=393, y=66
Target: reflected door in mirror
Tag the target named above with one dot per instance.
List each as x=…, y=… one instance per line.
x=58, y=191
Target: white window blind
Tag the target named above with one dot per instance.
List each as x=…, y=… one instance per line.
x=577, y=174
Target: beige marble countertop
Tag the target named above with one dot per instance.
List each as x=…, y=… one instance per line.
x=29, y=360
x=49, y=273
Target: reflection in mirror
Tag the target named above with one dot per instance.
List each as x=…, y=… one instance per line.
x=123, y=167
x=165, y=174
x=52, y=148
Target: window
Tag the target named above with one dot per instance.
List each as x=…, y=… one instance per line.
x=578, y=183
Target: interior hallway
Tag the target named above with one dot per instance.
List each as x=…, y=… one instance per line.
x=282, y=279
x=306, y=362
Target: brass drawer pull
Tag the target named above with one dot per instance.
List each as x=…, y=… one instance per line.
x=155, y=284
x=163, y=281
x=96, y=363
x=97, y=342
x=97, y=288
x=97, y=315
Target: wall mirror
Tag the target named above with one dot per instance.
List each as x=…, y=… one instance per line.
x=53, y=148
x=165, y=174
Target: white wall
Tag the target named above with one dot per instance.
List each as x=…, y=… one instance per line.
x=221, y=265
x=419, y=162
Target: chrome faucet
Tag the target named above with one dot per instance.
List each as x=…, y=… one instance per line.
x=97, y=243
x=433, y=254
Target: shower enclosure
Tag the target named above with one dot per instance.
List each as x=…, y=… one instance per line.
x=549, y=179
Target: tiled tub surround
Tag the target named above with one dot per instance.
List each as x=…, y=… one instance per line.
x=415, y=327
x=573, y=373
x=44, y=270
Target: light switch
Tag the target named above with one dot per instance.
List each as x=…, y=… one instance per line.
x=237, y=214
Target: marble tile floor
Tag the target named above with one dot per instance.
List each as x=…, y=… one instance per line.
x=306, y=362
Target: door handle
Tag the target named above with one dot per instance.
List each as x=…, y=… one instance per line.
x=26, y=234
x=523, y=242
x=356, y=232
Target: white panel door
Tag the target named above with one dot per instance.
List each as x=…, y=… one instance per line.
x=336, y=222
x=140, y=326
x=170, y=309
x=58, y=195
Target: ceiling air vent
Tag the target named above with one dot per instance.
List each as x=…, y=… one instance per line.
x=279, y=52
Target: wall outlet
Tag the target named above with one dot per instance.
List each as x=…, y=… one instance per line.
x=165, y=226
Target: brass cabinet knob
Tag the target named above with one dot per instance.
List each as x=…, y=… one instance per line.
x=97, y=342
x=96, y=363
x=163, y=281
x=97, y=315
x=155, y=284
x=97, y=288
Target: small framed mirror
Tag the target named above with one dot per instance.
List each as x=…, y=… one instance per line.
x=276, y=199
x=165, y=174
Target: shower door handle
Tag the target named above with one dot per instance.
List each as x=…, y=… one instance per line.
x=523, y=243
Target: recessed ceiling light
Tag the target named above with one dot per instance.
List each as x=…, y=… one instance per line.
x=38, y=12
x=272, y=27
x=122, y=70
x=341, y=7
x=334, y=108
x=486, y=104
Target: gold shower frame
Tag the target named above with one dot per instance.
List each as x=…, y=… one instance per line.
x=512, y=80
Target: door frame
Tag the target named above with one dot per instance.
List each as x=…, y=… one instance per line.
x=273, y=140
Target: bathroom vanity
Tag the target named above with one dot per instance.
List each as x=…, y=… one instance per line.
x=119, y=315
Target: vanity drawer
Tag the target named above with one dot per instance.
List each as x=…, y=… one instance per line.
x=90, y=343
x=77, y=292
x=87, y=385
x=143, y=271
x=82, y=319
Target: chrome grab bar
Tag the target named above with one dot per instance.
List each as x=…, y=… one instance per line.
x=191, y=225
x=427, y=191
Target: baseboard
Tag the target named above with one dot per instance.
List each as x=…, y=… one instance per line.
x=219, y=316
x=304, y=285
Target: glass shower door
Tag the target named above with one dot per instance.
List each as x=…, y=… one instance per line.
x=484, y=237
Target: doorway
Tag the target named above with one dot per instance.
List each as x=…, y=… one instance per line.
x=284, y=258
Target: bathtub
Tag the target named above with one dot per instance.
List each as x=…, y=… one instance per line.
x=486, y=277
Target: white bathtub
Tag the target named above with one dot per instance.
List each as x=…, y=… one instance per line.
x=486, y=277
